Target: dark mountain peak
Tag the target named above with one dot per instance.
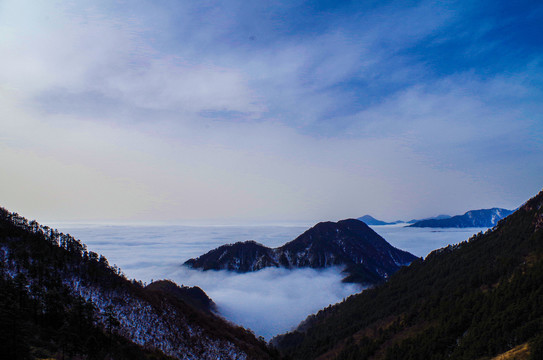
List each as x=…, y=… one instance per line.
x=535, y=203
x=359, y=228
x=349, y=231
x=533, y=206
x=331, y=229
x=353, y=223
x=246, y=243
x=370, y=220
x=321, y=232
x=191, y=295
x=250, y=242
x=241, y=256
x=323, y=227
x=352, y=243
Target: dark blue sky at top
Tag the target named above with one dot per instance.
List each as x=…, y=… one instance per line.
x=426, y=40
x=489, y=38
x=485, y=36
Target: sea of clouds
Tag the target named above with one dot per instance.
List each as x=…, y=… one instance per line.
x=268, y=302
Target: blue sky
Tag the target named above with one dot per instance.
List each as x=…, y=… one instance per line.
x=278, y=111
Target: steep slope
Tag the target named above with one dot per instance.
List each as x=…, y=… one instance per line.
x=368, y=257
x=193, y=295
x=472, y=218
x=242, y=257
x=474, y=300
x=60, y=300
x=370, y=220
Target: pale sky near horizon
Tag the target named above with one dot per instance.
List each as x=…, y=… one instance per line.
x=268, y=111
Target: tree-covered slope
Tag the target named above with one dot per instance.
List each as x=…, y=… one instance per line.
x=242, y=257
x=474, y=300
x=191, y=295
x=59, y=300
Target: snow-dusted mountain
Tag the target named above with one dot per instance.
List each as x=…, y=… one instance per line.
x=60, y=300
x=368, y=258
x=472, y=218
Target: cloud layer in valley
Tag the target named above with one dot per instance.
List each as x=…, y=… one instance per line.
x=270, y=301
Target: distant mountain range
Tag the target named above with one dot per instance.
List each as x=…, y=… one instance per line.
x=368, y=258
x=472, y=218
x=370, y=220
x=439, y=217
x=480, y=299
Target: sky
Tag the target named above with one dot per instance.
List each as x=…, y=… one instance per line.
x=268, y=111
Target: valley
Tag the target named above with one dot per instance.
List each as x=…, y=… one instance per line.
x=251, y=298
x=157, y=252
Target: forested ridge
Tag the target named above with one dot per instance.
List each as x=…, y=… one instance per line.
x=368, y=258
x=475, y=300
x=59, y=300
